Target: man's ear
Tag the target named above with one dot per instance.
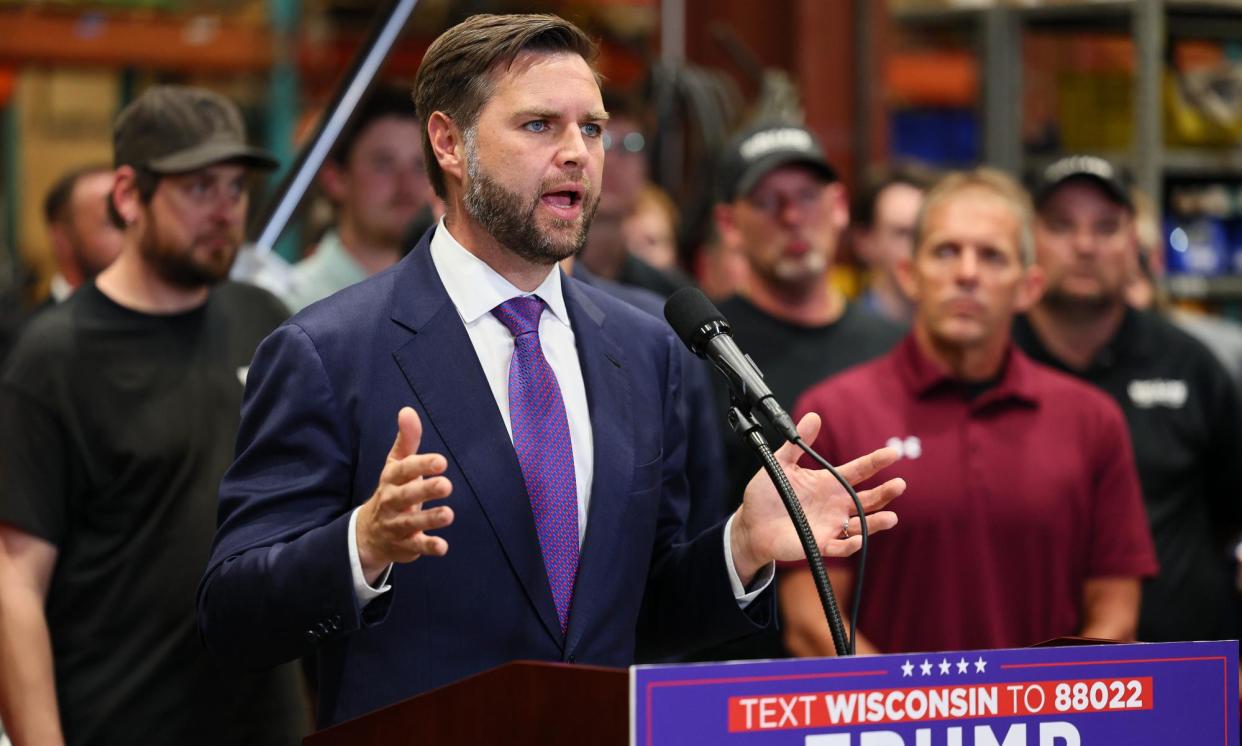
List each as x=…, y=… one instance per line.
x=1031, y=288
x=62, y=250
x=334, y=180
x=726, y=223
x=839, y=200
x=448, y=145
x=125, y=197
x=905, y=277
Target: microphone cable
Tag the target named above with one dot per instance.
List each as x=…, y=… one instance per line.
x=856, y=601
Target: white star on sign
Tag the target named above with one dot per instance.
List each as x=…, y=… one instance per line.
x=981, y=665
x=907, y=668
x=945, y=666
x=925, y=667
x=963, y=666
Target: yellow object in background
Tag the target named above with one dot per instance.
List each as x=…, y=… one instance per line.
x=1204, y=107
x=1096, y=110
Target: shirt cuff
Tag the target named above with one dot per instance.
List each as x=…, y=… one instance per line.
x=364, y=591
x=758, y=584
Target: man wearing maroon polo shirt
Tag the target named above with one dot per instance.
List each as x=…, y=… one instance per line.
x=1024, y=520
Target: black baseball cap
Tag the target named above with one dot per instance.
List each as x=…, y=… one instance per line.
x=1110, y=179
x=758, y=151
x=174, y=129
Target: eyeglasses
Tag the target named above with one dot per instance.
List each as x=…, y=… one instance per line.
x=630, y=142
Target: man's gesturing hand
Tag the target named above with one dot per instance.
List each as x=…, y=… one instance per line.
x=392, y=525
x=762, y=531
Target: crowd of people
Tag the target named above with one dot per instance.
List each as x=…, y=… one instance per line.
x=189, y=463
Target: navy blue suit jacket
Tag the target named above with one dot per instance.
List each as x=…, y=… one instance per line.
x=318, y=421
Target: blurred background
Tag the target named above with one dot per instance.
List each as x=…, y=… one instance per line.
x=1154, y=85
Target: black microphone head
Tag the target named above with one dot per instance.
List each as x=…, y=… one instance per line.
x=694, y=318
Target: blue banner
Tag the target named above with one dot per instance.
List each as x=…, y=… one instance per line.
x=1093, y=695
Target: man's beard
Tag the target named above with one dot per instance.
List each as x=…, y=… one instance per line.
x=512, y=221
x=1081, y=307
x=800, y=271
x=179, y=266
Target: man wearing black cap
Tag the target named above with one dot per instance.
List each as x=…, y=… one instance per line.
x=1180, y=404
x=782, y=204
x=118, y=411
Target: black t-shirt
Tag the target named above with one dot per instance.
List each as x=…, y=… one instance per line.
x=115, y=429
x=792, y=358
x=1186, y=428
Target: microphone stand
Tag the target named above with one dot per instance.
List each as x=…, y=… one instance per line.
x=749, y=430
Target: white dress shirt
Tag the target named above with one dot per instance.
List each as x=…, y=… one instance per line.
x=475, y=289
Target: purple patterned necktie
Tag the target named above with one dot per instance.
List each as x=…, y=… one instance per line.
x=544, y=450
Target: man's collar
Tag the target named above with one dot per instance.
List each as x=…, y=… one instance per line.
x=1129, y=341
x=475, y=288
x=923, y=376
x=339, y=261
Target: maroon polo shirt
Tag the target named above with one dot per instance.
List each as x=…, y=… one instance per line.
x=1015, y=496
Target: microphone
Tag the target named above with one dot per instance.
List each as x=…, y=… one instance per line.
x=703, y=329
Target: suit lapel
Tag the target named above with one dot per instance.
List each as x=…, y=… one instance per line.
x=612, y=426
x=440, y=364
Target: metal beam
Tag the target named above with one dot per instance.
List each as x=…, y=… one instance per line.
x=1002, y=89
x=357, y=82
x=1149, y=48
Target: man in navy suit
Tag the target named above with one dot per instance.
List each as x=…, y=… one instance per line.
x=542, y=486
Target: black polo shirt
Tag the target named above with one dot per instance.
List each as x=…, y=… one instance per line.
x=1186, y=428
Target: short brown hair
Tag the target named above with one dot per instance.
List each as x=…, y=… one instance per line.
x=994, y=183
x=57, y=200
x=915, y=175
x=455, y=75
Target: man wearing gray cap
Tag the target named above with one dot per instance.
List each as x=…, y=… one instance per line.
x=1180, y=404
x=118, y=411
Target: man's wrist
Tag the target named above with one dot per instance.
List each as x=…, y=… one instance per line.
x=744, y=561
x=366, y=588
x=372, y=568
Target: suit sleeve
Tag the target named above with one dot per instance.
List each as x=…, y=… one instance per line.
x=706, y=470
x=689, y=602
x=278, y=581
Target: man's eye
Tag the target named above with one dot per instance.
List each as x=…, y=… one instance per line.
x=536, y=126
x=592, y=130
x=994, y=256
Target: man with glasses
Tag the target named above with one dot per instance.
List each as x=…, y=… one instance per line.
x=118, y=413
x=605, y=253
x=783, y=205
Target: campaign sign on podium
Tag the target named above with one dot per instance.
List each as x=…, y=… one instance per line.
x=1091, y=695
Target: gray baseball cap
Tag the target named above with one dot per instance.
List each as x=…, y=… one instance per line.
x=758, y=151
x=174, y=129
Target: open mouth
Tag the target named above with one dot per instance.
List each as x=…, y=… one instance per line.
x=563, y=200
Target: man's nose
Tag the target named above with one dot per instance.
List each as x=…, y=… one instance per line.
x=573, y=148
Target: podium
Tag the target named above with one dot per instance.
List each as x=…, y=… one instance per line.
x=1134, y=694
x=520, y=703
